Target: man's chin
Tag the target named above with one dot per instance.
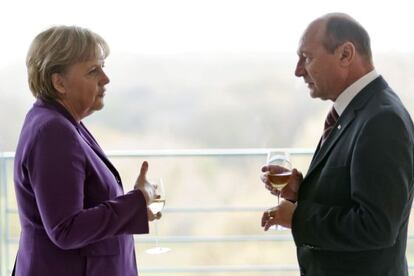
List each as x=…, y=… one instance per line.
x=313, y=94
x=316, y=96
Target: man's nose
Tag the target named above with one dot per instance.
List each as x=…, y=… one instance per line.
x=300, y=70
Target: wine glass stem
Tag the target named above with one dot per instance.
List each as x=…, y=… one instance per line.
x=156, y=233
x=278, y=226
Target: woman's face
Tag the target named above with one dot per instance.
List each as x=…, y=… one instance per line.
x=82, y=87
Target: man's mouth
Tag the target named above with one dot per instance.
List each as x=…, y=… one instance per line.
x=310, y=84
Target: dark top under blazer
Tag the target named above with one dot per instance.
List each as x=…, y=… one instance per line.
x=75, y=219
x=355, y=200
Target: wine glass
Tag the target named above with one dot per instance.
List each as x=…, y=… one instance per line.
x=279, y=180
x=156, y=206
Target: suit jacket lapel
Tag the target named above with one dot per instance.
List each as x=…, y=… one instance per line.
x=88, y=138
x=84, y=133
x=322, y=150
x=345, y=120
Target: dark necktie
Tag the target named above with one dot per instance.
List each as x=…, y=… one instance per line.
x=329, y=123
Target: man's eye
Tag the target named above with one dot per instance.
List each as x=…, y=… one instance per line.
x=93, y=71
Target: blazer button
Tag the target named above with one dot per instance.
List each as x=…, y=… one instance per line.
x=309, y=246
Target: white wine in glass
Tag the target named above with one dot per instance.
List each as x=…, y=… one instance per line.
x=157, y=206
x=281, y=179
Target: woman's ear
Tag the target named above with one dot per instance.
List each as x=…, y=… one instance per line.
x=58, y=83
x=346, y=53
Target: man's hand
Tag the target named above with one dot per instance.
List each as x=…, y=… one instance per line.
x=281, y=214
x=290, y=191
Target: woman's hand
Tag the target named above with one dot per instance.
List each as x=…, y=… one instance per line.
x=144, y=186
x=152, y=216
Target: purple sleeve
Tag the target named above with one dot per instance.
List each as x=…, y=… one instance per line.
x=57, y=169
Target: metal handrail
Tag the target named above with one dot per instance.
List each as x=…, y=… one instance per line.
x=254, y=152
x=219, y=152
x=221, y=268
x=192, y=152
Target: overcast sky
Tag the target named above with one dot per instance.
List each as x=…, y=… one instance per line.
x=198, y=26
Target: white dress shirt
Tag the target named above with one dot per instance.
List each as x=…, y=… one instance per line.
x=351, y=91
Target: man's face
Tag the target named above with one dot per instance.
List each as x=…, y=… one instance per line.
x=319, y=68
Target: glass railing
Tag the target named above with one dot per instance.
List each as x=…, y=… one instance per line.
x=212, y=216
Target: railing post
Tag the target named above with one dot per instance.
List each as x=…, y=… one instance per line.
x=3, y=183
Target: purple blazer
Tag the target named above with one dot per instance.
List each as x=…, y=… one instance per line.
x=75, y=219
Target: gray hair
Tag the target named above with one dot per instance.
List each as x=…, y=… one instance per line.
x=54, y=50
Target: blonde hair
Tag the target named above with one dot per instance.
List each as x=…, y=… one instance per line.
x=54, y=50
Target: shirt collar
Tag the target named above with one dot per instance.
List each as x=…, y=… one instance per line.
x=351, y=91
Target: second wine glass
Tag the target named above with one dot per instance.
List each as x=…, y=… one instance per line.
x=279, y=180
x=157, y=206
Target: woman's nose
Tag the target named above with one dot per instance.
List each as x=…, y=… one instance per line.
x=105, y=79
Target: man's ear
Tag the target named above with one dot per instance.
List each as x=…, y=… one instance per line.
x=58, y=83
x=346, y=53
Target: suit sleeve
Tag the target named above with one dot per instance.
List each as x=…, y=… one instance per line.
x=57, y=169
x=381, y=179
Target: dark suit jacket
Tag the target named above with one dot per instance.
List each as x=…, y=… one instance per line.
x=75, y=219
x=354, y=203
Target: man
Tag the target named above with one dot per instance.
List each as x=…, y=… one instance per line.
x=349, y=214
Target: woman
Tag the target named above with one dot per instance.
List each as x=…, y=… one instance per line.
x=75, y=218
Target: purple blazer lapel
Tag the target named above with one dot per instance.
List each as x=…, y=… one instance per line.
x=90, y=140
x=86, y=136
